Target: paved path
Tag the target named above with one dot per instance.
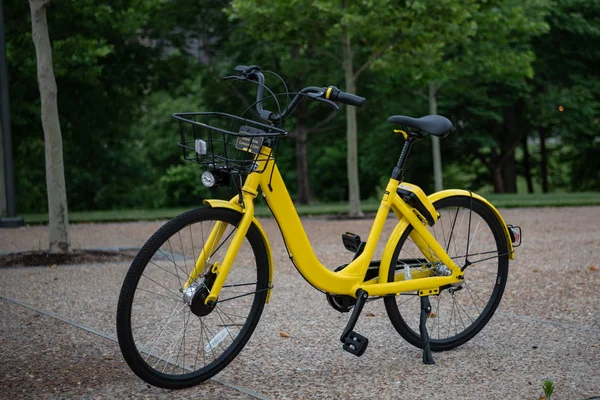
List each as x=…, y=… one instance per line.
x=57, y=326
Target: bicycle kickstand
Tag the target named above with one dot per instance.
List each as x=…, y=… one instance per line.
x=425, y=310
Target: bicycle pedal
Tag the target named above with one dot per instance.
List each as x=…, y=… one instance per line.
x=355, y=343
x=351, y=241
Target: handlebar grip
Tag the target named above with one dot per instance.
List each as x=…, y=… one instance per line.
x=335, y=94
x=351, y=99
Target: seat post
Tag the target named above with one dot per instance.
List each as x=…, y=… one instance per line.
x=398, y=172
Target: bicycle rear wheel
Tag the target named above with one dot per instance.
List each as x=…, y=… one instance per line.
x=167, y=335
x=468, y=230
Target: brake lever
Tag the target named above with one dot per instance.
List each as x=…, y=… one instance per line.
x=239, y=78
x=318, y=96
x=329, y=102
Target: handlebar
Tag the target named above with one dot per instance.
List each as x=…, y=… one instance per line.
x=350, y=99
x=329, y=95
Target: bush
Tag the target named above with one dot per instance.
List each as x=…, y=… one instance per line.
x=181, y=185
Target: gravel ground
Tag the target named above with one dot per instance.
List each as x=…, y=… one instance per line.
x=545, y=328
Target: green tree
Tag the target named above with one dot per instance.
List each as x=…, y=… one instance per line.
x=293, y=46
x=58, y=216
x=367, y=34
x=565, y=92
x=490, y=70
x=105, y=64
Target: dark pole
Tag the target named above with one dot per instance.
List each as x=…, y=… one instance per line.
x=11, y=220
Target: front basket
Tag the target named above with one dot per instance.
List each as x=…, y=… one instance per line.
x=223, y=141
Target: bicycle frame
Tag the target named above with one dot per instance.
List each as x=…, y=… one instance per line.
x=351, y=278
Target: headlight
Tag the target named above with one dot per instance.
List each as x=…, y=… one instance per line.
x=208, y=179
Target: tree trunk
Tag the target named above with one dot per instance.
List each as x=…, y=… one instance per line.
x=301, y=139
x=435, y=142
x=543, y=159
x=2, y=183
x=509, y=173
x=526, y=164
x=58, y=218
x=509, y=140
x=351, y=132
x=496, y=171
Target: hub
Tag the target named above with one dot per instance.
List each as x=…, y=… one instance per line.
x=196, y=293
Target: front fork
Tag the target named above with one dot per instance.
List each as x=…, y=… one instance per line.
x=222, y=270
x=209, y=247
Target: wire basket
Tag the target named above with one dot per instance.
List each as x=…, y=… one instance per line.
x=223, y=141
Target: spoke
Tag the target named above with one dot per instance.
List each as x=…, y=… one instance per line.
x=489, y=258
x=242, y=295
x=457, y=245
x=452, y=230
x=198, y=350
x=433, y=321
x=445, y=237
x=164, y=287
x=164, y=269
x=202, y=335
x=182, y=344
x=474, y=292
x=168, y=350
x=230, y=315
x=193, y=250
x=225, y=325
x=451, y=318
x=161, y=331
x=437, y=315
x=472, y=238
x=240, y=284
x=469, y=228
x=178, y=299
x=241, y=266
x=223, y=242
x=172, y=259
x=460, y=308
x=153, y=322
x=408, y=252
x=204, y=242
x=470, y=292
x=174, y=264
x=212, y=336
x=183, y=253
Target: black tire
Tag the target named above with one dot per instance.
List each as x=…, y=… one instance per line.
x=163, y=342
x=457, y=315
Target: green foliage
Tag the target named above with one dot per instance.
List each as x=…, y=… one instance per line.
x=567, y=76
x=181, y=186
x=548, y=387
x=502, y=69
x=103, y=72
x=331, y=208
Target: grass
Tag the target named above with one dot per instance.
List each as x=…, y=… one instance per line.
x=544, y=200
x=368, y=206
x=166, y=213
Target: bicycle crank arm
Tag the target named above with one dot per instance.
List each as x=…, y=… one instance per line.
x=355, y=343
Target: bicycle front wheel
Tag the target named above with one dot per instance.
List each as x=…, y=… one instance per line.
x=167, y=335
x=472, y=236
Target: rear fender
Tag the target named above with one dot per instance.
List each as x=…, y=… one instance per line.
x=458, y=192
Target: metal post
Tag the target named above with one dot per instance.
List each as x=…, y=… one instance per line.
x=11, y=220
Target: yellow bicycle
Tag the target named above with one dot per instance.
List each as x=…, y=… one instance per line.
x=195, y=292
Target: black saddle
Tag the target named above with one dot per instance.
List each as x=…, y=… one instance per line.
x=433, y=124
